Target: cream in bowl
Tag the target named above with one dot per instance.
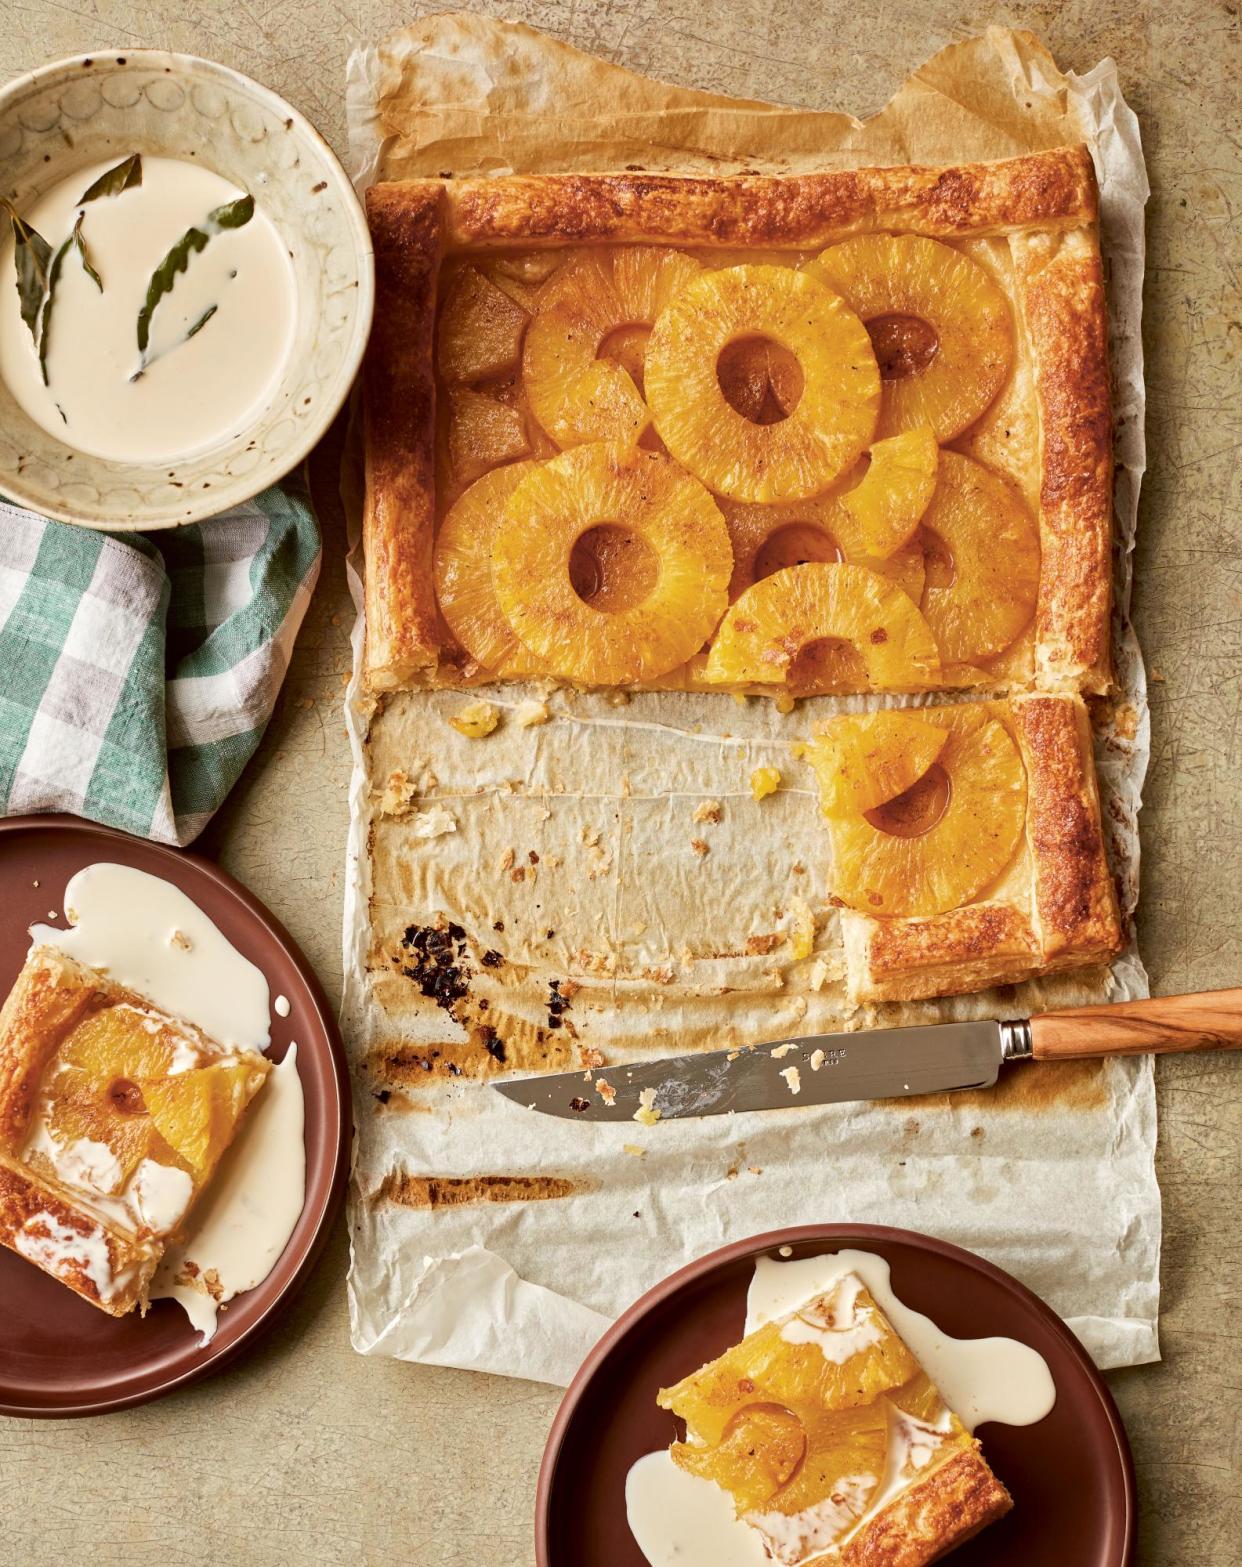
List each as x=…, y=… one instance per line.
x=186, y=287
x=146, y=310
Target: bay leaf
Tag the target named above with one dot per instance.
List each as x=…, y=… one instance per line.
x=125, y=176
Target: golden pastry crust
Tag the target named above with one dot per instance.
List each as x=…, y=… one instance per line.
x=930, y=1519
x=1061, y=294
x=109, y=1270
x=1055, y=907
x=403, y=627
x=1045, y=205
x=768, y=211
x=47, y=1000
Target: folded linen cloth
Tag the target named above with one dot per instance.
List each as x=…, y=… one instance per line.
x=137, y=673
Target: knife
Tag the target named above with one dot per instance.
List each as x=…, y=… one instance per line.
x=882, y=1063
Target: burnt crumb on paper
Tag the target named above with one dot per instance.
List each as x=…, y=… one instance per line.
x=436, y=962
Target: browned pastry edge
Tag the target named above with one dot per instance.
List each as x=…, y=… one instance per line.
x=1060, y=290
x=788, y=211
x=131, y=1262
x=46, y=1000
x=403, y=630
x=930, y=1519
x=1074, y=920
x=1075, y=904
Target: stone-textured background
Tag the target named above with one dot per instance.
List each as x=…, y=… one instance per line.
x=307, y=1452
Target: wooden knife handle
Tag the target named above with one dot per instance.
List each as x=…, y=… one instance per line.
x=1211, y=1020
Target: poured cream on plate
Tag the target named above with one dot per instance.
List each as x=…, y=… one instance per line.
x=148, y=936
x=682, y=1520
x=194, y=392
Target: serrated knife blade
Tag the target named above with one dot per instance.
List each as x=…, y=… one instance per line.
x=885, y=1063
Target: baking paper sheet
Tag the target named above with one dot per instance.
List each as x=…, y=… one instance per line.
x=616, y=889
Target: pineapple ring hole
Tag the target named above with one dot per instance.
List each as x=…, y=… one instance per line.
x=918, y=810
x=627, y=346
x=795, y=544
x=938, y=561
x=126, y=1097
x=904, y=345
x=826, y=664
x=612, y=568
x=759, y=378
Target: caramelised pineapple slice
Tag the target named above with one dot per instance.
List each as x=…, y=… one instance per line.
x=948, y=837
x=982, y=548
x=769, y=538
x=611, y=564
x=824, y=627
x=196, y=1112
x=829, y=425
x=463, y=573
x=941, y=328
x=895, y=491
x=583, y=361
x=479, y=332
x=483, y=432
x=863, y=759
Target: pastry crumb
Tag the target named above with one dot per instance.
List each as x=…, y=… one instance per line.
x=793, y=1079
x=476, y=720
x=527, y=714
x=699, y=847
x=817, y=1060
x=764, y=781
x=635, y=1150
x=179, y=939
x=708, y=811
x=605, y=1090
x=646, y=1114
x=786, y=703
x=801, y=928
x=782, y=1051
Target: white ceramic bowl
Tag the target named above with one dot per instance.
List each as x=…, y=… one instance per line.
x=93, y=107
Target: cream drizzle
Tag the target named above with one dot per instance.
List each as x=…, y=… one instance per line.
x=244, y=1221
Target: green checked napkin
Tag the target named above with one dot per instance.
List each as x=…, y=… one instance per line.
x=137, y=673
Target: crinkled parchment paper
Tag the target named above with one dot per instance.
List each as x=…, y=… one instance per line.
x=611, y=887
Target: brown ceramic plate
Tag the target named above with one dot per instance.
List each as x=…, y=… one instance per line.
x=58, y=1355
x=1071, y=1475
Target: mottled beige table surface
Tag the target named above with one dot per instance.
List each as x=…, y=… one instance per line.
x=306, y=1452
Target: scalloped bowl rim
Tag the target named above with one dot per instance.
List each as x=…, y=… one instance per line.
x=312, y=430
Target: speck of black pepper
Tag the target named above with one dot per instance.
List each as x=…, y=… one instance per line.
x=491, y=958
x=383, y=1095
x=549, y=935
x=579, y=1104
x=499, y=926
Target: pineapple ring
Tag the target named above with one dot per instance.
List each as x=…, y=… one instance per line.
x=463, y=574
x=994, y=544
x=571, y=495
x=792, y=611
x=768, y=538
x=862, y=760
x=884, y=873
x=825, y=432
x=895, y=491
x=886, y=276
x=576, y=395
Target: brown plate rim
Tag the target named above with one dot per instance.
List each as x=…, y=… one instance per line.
x=212, y=1360
x=830, y=1235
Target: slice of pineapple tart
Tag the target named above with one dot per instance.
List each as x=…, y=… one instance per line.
x=821, y=1423
x=830, y=423
x=825, y=627
x=585, y=348
x=941, y=840
x=611, y=564
x=941, y=328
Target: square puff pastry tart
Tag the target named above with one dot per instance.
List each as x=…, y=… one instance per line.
x=113, y=1118
x=835, y=1445
x=966, y=843
x=845, y=431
